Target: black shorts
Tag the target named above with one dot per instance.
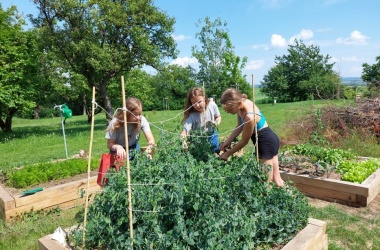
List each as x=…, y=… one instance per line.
x=268, y=143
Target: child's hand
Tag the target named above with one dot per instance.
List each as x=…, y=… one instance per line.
x=224, y=146
x=184, y=144
x=224, y=156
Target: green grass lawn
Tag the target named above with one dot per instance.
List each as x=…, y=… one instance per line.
x=35, y=141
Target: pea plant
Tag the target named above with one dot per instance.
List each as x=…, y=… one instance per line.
x=184, y=200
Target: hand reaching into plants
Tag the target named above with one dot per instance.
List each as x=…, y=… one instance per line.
x=224, y=146
x=224, y=156
x=120, y=151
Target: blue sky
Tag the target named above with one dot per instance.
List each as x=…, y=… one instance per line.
x=346, y=30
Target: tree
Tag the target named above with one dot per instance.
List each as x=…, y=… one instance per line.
x=18, y=67
x=219, y=67
x=371, y=75
x=302, y=74
x=173, y=82
x=103, y=39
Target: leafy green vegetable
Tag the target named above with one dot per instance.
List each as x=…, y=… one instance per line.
x=184, y=200
x=44, y=172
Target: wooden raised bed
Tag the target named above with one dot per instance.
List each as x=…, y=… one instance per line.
x=312, y=237
x=63, y=196
x=343, y=192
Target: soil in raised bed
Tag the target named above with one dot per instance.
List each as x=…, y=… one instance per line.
x=304, y=165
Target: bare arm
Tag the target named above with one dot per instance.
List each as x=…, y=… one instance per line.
x=238, y=129
x=120, y=151
x=218, y=119
x=247, y=130
x=151, y=142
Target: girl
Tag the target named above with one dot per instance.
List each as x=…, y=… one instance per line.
x=198, y=111
x=249, y=116
x=136, y=122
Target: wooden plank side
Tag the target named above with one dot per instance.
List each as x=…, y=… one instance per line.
x=46, y=243
x=60, y=198
x=331, y=184
x=6, y=200
x=323, y=192
x=71, y=188
x=311, y=237
x=373, y=181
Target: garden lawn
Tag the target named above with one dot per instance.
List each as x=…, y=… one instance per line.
x=35, y=141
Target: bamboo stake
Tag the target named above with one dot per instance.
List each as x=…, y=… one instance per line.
x=89, y=164
x=254, y=120
x=128, y=166
x=204, y=107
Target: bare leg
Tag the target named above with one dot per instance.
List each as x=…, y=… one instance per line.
x=274, y=174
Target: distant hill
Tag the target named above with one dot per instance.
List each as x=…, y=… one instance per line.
x=349, y=81
x=353, y=81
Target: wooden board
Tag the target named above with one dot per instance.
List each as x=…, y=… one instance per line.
x=63, y=196
x=344, y=192
x=312, y=237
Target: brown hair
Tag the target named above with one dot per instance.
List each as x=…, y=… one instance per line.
x=197, y=91
x=231, y=97
x=132, y=103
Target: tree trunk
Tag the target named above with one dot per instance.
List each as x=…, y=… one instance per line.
x=7, y=125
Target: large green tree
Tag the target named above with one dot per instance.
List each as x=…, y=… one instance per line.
x=301, y=74
x=172, y=84
x=371, y=75
x=19, y=63
x=219, y=67
x=105, y=39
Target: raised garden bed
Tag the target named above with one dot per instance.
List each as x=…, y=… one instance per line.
x=69, y=193
x=343, y=192
x=313, y=236
x=63, y=196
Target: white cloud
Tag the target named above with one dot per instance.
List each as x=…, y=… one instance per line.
x=356, y=38
x=303, y=35
x=181, y=37
x=277, y=41
x=350, y=59
x=254, y=64
x=185, y=61
x=334, y=59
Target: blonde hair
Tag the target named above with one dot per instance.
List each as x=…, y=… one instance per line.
x=231, y=97
x=132, y=103
x=197, y=91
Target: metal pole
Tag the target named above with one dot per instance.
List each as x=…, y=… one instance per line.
x=63, y=128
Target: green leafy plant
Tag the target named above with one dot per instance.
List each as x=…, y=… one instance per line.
x=44, y=172
x=358, y=171
x=181, y=202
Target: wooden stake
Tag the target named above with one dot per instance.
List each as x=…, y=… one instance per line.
x=254, y=120
x=128, y=166
x=89, y=164
x=204, y=107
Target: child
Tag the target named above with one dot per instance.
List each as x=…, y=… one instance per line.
x=136, y=122
x=249, y=116
x=198, y=111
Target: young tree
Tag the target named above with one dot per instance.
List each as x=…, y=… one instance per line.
x=371, y=75
x=300, y=75
x=103, y=39
x=219, y=67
